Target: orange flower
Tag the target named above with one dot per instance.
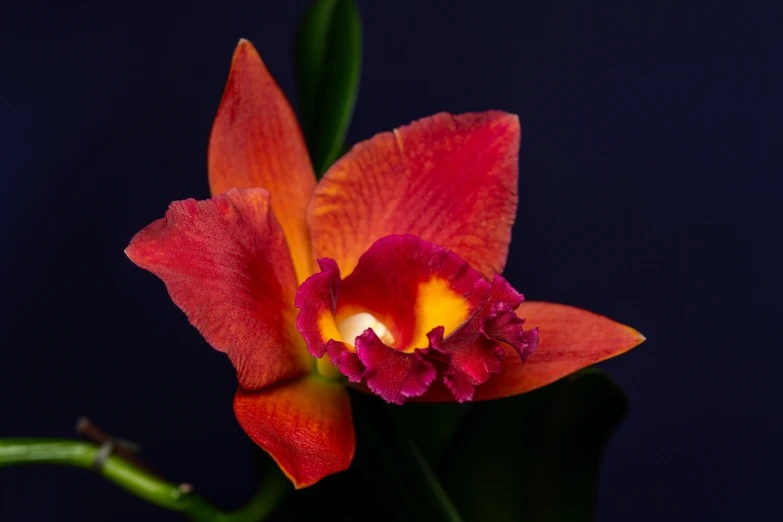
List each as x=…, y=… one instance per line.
x=418, y=220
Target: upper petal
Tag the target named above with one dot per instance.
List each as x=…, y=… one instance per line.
x=256, y=143
x=225, y=263
x=450, y=180
x=304, y=424
x=570, y=339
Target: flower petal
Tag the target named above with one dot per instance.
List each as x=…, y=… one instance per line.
x=317, y=302
x=225, y=263
x=407, y=284
x=392, y=374
x=409, y=309
x=304, y=424
x=570, y=339
x=475, y=349
x=256, y=143
x=345, y=358
x=411, y=286
x=451, y=180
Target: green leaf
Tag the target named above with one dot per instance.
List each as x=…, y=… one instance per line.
x=534, y=457
x=327, y=60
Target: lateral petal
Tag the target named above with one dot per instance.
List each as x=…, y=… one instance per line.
x=256, y=143
x=450, y=180
x=226, y=264
x=304, y=424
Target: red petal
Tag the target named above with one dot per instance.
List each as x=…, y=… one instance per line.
x=502, y=323
x=256, y=143
x=225, y=263
x=317, y=302
x=412, y=286
x=475, y=349
x=451, y=180
x=570, y=339
x=304, y=424
x=408, y=307
x=391, y=374
x=346, y=360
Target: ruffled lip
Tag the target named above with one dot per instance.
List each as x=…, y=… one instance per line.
x=389, y=282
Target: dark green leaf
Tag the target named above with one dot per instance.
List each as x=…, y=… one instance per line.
x=534, y=457
x=327, y=59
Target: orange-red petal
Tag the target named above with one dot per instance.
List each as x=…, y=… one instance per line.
x=304, y=424
x=225, y=263
x=569, y=339
x=256, y=143
x=450, y=180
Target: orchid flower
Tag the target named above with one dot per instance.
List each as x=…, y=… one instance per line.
x=383, y=276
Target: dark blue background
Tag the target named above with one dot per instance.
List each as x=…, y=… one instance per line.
x=648, y=194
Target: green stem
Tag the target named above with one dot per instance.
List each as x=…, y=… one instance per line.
x=444, y=503
x=14, y=452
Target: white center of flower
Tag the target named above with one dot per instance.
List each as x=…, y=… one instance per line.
x=355, y=325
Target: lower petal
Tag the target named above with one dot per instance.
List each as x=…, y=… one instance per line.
x=304, y=424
